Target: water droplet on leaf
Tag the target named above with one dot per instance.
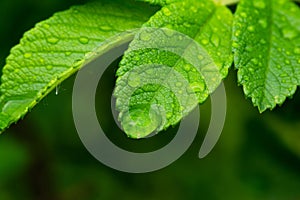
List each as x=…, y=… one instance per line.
x=166, y=12
x=297, y=50
x=83, y=40
x=49, y=67
x=53, y=40
x=197, y=87
x=243, y=14
x=187, y=67
x=68, y=53
x=200, y=57
x=263, y=23
x=134, y=80
x=105, y=28
x=145, y=36
x=259, y=4
x=254, y=61
x=289, y=33
x=204, y=41
x=27, y=55
x=251, y=28
x=215, y=40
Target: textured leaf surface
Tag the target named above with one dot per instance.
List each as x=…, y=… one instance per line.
x=160, y=2
x=56, y=48
x=167, y=2
x=266, y=43
x=164, y=75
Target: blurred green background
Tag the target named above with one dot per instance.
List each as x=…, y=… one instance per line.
x=42, y=157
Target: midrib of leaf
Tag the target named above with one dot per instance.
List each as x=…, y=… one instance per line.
x=270, y=21
x=34, y=54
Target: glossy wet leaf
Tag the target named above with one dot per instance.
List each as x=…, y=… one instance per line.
x=266, y=43
x=56, y=48
x=167, y=71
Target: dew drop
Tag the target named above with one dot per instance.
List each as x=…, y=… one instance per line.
x=27, y=55
x=168, y=32
x=284, y=75
x=204, y=41
x=105, y=28
x=182, y=108
x=224, y=72
x=83, y=40
x=289, y=33
x=68, y=53
x=259, y=4
x=169, y=115
x=166, y=12
x=188, y=25
x=200, y=57
x=277, y=99
x=243, y=14
x=215, y=40
x=187, y=67
x=52, y=40
x=57, y=90
x=251, y=28
x=237, y=33
x=197, y=87
x=47, y=26
x=215, y=29
x=235, y=45
x=297, y=50
x=49, y=67
x=263, y=23
x=254, y=61
x=194, y=9
x=145, y=36
x=178, y=84
x=134, y=80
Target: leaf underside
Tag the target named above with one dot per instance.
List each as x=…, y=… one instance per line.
x=163, y=75
x=57, y=47
x=266, y=44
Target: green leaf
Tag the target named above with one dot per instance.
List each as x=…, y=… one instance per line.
x=56, y=48
x=165, y=73
x=160, y=2
x=266, y=44
x=167, y=2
